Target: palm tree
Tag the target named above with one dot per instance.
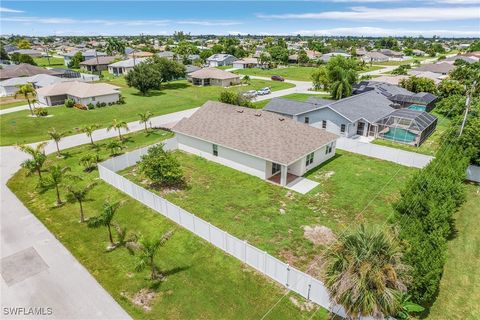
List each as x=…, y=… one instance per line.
x=27, y=91
x=79, y=194
x=144, y=118
x=34, y=164
x=342, y=81
x=115, y=147
x=56, y=136
x=148, y=248
x=363, y=273
x=118, y=125
x=55, y=179
x=88, y=130
x=105, y=219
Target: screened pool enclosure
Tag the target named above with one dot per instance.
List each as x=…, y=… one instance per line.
x=407, y=126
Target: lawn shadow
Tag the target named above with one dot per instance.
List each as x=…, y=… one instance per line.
x=320, y=166
x=155, y=285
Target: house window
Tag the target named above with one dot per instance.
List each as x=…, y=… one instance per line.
x=342, y=128
x=324, y=124
x=215, y=150
x=276, y=168
x=307, y=120
x=309, y=159
x=329, y=148
x=93, y=98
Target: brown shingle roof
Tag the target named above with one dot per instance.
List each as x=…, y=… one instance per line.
x=98, y=61
x=213, y=73
x=78, y=89
x=262, y=134
x=24, y=70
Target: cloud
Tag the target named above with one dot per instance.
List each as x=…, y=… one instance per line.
x=106, y=22
x=379, y=32
x=459, y=1
x=387, y=14
x=209, y=23
x=3, y=9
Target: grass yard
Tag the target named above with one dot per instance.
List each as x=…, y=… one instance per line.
x=271, y=217
x=428, y=147
x=17, y=127
x=459, y=294
x=291, y=73
x=224, y=67
x=201, y=281
x=54, y=62
x=371, y=68
x=293, y=96
x=10, y=102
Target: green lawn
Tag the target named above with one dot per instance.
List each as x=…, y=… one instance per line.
x=459, y=294
x=428, y=147
x=17, y=127
x=54, y=62
x=371, y=68
x=224, y=67
x=291, y=73
x=12, y=103
x=293, y=96
x=250, y=208
x=202, y=282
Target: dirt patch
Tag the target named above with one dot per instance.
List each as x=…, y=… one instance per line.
x=142, y=298
x=303, y=305
x=324, y=175
x=319, y=235
x=289, y=257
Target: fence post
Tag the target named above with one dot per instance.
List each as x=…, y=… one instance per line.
x=179, y=216
x=288, y=274
x=245, y=251
x=265, y=262
x=194, y=228
x=225, y=241
x=209, y=233
x=309, y=288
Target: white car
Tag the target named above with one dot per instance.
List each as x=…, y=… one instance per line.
x=263, y=91
x=250, y=94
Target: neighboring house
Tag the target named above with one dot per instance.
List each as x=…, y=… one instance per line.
x=166, y=54
x=418, y=53
x=442, y=68
x=327, y=56
x=407, y=126
x=393, y=55
x=220, y=59
x=213, y=77
x=140, y=54
x=97, y=64
x=24, y=70
x=86, y=54
x=464, y=57
x=10, y=87
x=419, y=101
x=436, y=77
x=189, y=68
x=374, y=56
x=391, y=79
x=256, y=142
x=80, y=92
x=124, y=66
x=29, y=52
x=10, y=48
x=246, y=63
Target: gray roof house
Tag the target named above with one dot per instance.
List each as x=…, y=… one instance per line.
x=124, y=66
x=256, y=142
x=442, y=68
x=29, y=52
x=220, y=59
x=86, y=54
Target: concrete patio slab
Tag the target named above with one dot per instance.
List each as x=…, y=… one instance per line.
x=302, y=185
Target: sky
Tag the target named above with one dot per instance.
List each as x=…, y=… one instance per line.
x=445, y=18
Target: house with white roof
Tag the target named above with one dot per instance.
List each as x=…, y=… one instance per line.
x=10, y=86
x=124, y=66
x=81, y=92
x=220, y=59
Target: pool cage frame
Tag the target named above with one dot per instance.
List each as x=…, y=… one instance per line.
x=419, y=123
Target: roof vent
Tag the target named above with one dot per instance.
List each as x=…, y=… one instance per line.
x=281, y=119
x=239, y=110
x=258, y=114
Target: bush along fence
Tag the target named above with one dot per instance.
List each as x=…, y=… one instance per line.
x=293, y=279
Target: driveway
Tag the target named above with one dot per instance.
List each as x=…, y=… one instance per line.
x=37, y=270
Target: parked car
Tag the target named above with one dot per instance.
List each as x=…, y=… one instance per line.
x=277, y=78
x=250, y=94
x=263, y=91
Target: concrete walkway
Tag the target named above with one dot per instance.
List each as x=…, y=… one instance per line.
x=37, y=270
x=21, y=108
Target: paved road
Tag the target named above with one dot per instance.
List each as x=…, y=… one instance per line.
x=54, y=279
x=20, y=108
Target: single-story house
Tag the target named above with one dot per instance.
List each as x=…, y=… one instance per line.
x=220, y=59
x=166, y=54
x=86, y=54
x=374, y=56
x=29, y=52
x=327, y=56
x=442, y=68
x=10, y=86
x=421, y=100
x=407, y=126
x=418, y=53
x=97, y=64
x=24, y=70
x=256, y=142
x=189, y=68
x=464, y=57
x=80, y=92
x=213, y=77
x=436, y=77
x=140, y=54
x=393, y=55
x=246, y=63
x=124, y=66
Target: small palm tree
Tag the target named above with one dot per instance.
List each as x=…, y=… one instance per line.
x=38, y=159
x=56, y=136
x=105, y=219
x=363, y=272
x=115, y=147
x=88, y=130
x=118, y=125
x=144, y=118
x=148, y=248
x=79, y=194
x=56, y=175
x=27, y=91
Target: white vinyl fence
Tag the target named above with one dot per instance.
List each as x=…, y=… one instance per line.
x=295, y=280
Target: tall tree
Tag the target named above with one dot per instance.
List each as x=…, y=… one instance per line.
x=28, y=92
x=118, y=126
x=79, y=194
x=363, y=272
x=56, y=175
x=105, y=219
x=38, y=159
x=148, y=249
x=88, y=130
x=144, y=118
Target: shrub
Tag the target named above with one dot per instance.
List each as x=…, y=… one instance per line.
x=89, y=162
x=80, y=106
x=121, y=100
x=161, y=167
x=40, y=112
x=69, y=103
x=235, y=98
x=90, y=106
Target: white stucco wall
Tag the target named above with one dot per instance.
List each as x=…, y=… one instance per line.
x=8, y=90
x=105, y=98
x=334, y=121
x=228, y=157
x=299, y=168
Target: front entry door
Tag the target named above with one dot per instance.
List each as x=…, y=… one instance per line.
x=360, y=128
